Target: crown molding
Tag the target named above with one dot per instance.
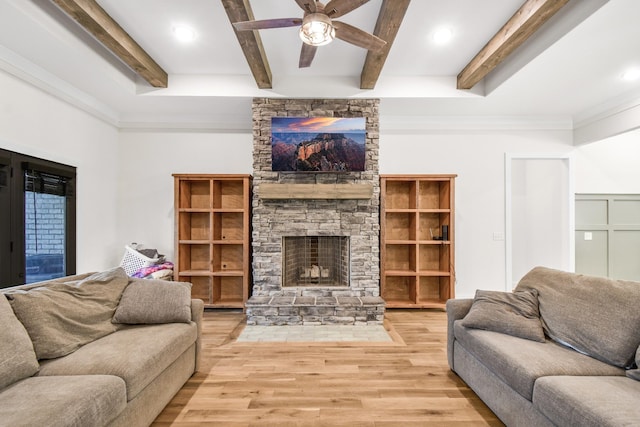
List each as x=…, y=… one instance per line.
x=433, y=124
x=617, y=116
x=17, y=66
x=185, y=127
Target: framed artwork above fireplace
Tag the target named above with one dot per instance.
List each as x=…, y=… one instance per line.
x=318, y=144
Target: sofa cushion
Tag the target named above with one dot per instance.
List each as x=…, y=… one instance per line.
x=519, y=362
x=512, y=313
x=594, y=315
x=137, y=354
x=588, y=401
x=65, y=315
x=154, y=301
x=17, y=358
x=635, y=373
x=78, y=401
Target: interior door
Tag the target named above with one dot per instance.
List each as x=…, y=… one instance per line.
x=539, y=214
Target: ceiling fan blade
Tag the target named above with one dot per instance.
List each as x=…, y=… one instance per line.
x=356, y=36
x=337, y=8
x=309, y=6
x=267, y=23
x=306, y=55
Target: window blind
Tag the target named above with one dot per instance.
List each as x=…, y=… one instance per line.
x=45, y=183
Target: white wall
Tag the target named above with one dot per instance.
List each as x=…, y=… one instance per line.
x=37, y=124
x=477, y=157
x=145, y=185
x=609, y=166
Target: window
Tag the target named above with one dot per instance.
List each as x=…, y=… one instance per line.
x=37, y=219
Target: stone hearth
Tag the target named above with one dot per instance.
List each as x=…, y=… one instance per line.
x=310, y=310
x=357, y=301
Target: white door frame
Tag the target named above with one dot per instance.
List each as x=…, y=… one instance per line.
x=570, y=198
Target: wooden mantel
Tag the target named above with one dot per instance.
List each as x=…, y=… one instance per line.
x=315, y=191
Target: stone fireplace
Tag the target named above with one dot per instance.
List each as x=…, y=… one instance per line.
x=315, y=236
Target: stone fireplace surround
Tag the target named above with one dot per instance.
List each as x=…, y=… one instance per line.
x=273, y=219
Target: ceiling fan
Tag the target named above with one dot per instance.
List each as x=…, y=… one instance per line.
x=317, y=27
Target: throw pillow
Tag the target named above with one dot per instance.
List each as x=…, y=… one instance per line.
x=17, y=358
x=147, y=301
x=63, y=316
x=593, y=315
x=635, y=373
x=509, y=313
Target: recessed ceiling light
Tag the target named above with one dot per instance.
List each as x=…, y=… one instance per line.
x=442, y=35
x=184, y=33
x=631, y=74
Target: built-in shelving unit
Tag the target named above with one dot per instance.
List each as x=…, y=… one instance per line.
x=417, y=240
x=212, y=230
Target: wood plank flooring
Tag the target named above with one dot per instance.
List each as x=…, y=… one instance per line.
x=403, y=383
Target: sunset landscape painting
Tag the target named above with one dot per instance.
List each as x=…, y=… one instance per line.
x=318, y=144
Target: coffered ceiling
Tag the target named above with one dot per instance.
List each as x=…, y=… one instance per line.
x=117, y=65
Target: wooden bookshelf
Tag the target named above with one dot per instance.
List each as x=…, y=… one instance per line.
x=417, y=263
x=212, y=235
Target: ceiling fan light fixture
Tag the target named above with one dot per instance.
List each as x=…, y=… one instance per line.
x=316, y=30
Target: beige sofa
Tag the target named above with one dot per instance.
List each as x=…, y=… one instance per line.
x=561, y=350
x=95, y=350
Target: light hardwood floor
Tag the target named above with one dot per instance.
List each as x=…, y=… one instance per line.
x=403, y=383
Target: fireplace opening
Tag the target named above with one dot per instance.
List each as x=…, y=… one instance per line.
x=316, y=261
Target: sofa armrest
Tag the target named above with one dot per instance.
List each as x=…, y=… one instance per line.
x=197, y=311
x=456, y=310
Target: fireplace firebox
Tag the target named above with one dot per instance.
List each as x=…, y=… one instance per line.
x=316, y=261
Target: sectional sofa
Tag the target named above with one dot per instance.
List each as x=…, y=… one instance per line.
x=561, y=350
x=95, y=350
